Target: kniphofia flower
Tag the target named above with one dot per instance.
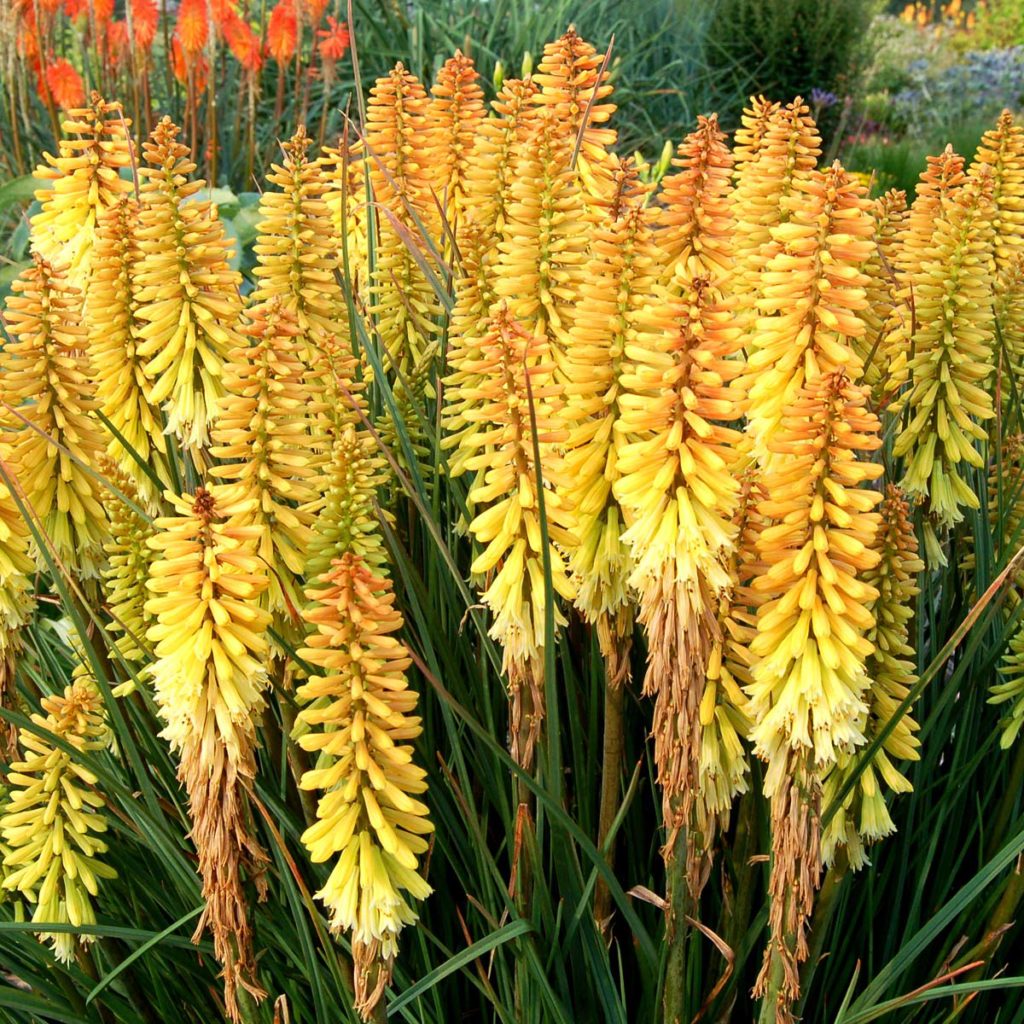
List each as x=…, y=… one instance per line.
x=122, y=388
x=677, y=488
x=359, y=713
x=187, y=293
x=52, y=821
x=55, y=442
x=863, y=816
x=403, y=301
x=947, y=401
x=264, y=426
x=208, y=679
x=85, y=180
x=512, y=376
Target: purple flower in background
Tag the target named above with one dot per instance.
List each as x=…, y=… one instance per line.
x=822, y=99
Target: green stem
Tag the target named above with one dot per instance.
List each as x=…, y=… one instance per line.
x=824, y=908
x=611, y=789
x=1011, y=794
x=676, y=932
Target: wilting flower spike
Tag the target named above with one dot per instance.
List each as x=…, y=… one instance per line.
x=208, y=678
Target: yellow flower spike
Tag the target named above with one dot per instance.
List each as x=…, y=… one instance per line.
x=1002, y=150
x=344, y=170
x=359, y=719
x=862, y=818
x=454, y=115
x=128, y=561
x=610, y=301
x=52, y=795
x=884, y=347
x=488, y=193
x=347, y=520
x=696, y=222
x=948, y=401
x=86, y=180
x=543, y=247
x=187, y=295
x=121, y=384
x=783, y=149
x=724, y=722
x=1011, y=690
x=490, y=170
x=568, y=78
x=514, y=371
x=677, y=489
x=16, y=602
x=297, y=250
x=811, y=297
x=1009, y=309
x=808, y=685
x=752, y=134
x=403, y=301
x=47, y=380
x=209, y=640
x=263, y=428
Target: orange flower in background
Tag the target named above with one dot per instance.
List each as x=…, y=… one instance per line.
x=314, y=10
x=243, y=42
x=182, y=63
x=334, y=40
x=145, y=15
x=64, y=84
x=282, y=32
x=193, y=27
x=103, y=10
x=117, y=41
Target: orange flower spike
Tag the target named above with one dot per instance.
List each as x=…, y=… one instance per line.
x=811, y=296
x=697, y=228
x=489, y=172
x=454, y=114
x=939, y=182
x=333, y=41
x=359, y=717
x=64, y=84
x=145, y=18
x=752, y=134
x=55, y=441
x=187, y=293
x=568, y=78
x=193, y=26
x=283, y=31
x=403, y=300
